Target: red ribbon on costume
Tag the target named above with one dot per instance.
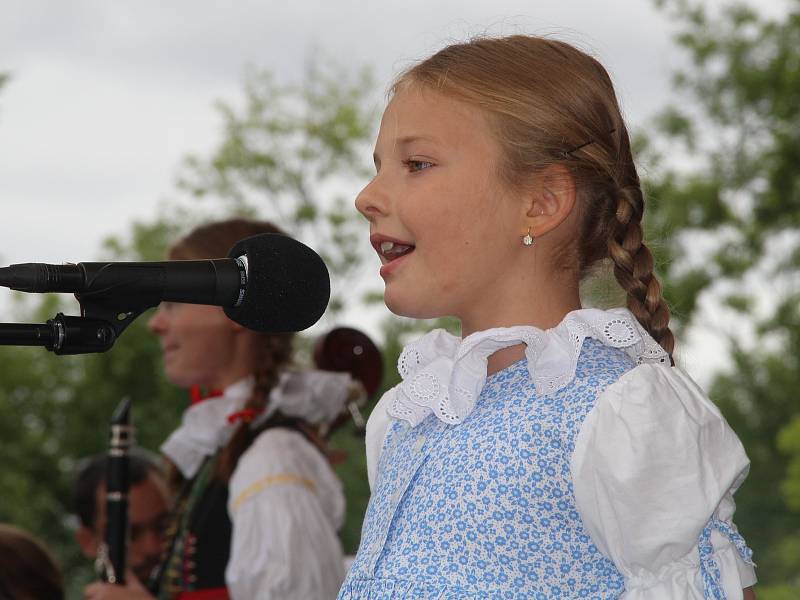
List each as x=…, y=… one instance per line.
x=197, y=395
x=246, y=415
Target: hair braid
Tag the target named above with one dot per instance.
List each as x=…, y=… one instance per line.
x=276, y=355
x=633, y=267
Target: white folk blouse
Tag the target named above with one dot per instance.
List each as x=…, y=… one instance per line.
x=285, y=502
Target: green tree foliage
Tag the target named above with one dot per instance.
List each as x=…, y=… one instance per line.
x=739, y=198
x=55, y=410
x=296, y=154
x=789, y=443
x=287, y=156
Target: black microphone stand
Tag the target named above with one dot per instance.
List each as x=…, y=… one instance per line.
x=101, y=322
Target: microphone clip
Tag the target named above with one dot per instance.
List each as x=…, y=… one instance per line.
x=100, y=324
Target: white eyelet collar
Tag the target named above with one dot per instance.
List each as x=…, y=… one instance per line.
x=444, y=375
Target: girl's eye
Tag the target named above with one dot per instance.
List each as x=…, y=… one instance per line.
x=417, y=165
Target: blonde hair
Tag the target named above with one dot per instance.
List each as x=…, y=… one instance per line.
x=550, y=103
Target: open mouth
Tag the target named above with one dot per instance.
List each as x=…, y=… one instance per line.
x=390, y=250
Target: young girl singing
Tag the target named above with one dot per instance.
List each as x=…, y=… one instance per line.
x=552, y=451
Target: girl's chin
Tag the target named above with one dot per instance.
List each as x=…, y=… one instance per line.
x=181, y=379
x=412, y=307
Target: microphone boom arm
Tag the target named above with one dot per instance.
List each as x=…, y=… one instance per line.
x=107, y=306
x=269, y=283
x=100, y=324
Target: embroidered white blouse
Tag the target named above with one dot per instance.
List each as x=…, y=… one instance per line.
x=654, y=460
x=285, y=502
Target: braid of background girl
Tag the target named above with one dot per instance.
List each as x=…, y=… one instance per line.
x=276, y=356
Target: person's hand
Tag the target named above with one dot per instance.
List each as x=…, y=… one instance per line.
x=132, y=590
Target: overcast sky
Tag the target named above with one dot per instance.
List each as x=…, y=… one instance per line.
x=105, y=98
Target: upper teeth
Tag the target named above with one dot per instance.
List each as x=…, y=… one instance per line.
x=392, y=248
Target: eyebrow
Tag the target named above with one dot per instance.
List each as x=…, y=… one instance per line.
x=405, y=141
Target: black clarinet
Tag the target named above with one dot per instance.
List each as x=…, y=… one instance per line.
x=110, y=564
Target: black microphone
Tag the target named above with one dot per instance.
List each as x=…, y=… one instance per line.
x=270, y=283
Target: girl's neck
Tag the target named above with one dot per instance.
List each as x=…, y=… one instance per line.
x=241, y=362
x=524, y=293
x=227, y=379
x=542, y=312
x=504, y=358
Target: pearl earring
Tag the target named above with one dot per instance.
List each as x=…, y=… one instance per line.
x=527, y=240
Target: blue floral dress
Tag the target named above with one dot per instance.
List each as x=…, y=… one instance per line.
x=476, y=499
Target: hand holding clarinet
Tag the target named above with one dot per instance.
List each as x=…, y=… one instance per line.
x=116, y=581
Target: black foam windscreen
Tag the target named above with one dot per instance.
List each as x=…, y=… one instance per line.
x=288, y=286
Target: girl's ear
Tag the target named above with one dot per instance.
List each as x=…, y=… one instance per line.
x=87, y=540
x=550, y=201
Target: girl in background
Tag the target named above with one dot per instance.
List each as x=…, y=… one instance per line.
x=257, y=504
x=552, y=451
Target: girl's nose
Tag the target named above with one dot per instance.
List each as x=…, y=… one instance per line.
x=372, y=201
x=157, y=323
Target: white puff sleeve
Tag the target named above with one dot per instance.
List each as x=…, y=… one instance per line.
x=286, y=505
x=655, y=467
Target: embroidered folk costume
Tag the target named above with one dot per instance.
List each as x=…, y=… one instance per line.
x=271, y=532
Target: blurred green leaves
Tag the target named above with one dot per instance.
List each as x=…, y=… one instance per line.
x=296, y=154
x=725, y=189
x=55, y=410
x=293, y=153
